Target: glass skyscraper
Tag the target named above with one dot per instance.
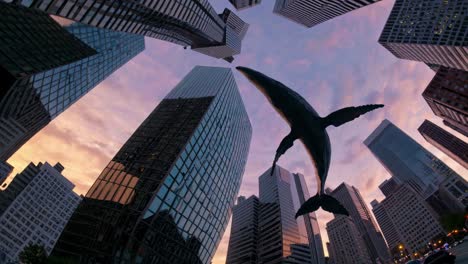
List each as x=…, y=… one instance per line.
x=310, y=13
x=406, y=160
x=434, y=32
x=33, y=102
x=166, y=196
x=33, y=42
x=192, y=23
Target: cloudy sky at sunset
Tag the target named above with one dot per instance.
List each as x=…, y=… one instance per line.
x=333, y=65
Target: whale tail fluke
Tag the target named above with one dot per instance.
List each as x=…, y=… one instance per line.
x=327, y=202
x=347, y=114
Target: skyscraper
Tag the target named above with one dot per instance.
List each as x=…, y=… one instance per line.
x=39, y=213
x=389, y=186
x=33, y=42
x=310, y=13
x=243, y=4
x=406, y=219
x=352, y=200
x=454, y=147
x=10, y=190
x=433, y=32
x=167, y=195
x=346, y=243
x=243, y=242
x=5, y=170
x=33, y=102
x=279, y=228
x=265, y=231
x=406, y=160
x=447, y=96
x=309, y=222
x=453, y=191
x=191, y=23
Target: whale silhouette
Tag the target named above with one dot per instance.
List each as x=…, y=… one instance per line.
x=309, y=127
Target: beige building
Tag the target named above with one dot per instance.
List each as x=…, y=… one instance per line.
x=346, y=243
x=406, y=218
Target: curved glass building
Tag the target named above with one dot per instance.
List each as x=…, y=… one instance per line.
x=166, y=196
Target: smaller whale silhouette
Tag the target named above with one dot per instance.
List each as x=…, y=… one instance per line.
x=309, y=127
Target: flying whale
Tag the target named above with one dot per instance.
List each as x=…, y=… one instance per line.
x=308, y=126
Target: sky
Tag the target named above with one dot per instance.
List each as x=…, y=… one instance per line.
x=336, y=64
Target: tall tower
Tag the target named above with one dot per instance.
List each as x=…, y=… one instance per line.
x=243, y=242
x=406, y=219
x=39, y=213
x=10, y=190
x=244, y=4
x=5, y=170
x=454, y=147
x=352, y=200
x=310, y=13
x=406, y=160
x=31, y=103
x=433, y=32
x=346, y=242
x=191, y=23
x=280, y=229
x=447, y=96
x=307, y=221
x=32, y=42
x=167, y=195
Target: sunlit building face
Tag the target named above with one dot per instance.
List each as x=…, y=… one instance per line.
x=166, y=196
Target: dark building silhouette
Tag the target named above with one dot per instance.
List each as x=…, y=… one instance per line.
x=33, y=42
x=32, y=102
x=361, y=216
x=10, y=190
x=243, y=4
x=454, y=147
x=447, y=97
x=243, y=242
x=5, y=170
x=310, y=13
x=186, y=158
x=192, y=23
x=433, y=32
x=389, y=186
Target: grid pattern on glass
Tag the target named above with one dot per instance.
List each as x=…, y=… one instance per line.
x=435, y=32
x=189, y=23
x=38, y=214
x=32, y=102
x=33, y=42
x=311, y=13
x=201, y=188
x=188, y=158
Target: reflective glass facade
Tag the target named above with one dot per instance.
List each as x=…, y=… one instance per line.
x=310, y=13
x=188, y=23
x=406, y=160
x=33, y=102
x=435, y=32
x=166, y=196
x=33, y=42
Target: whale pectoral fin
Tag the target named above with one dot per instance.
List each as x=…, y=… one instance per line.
x=285, y=144
x=347, y=114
